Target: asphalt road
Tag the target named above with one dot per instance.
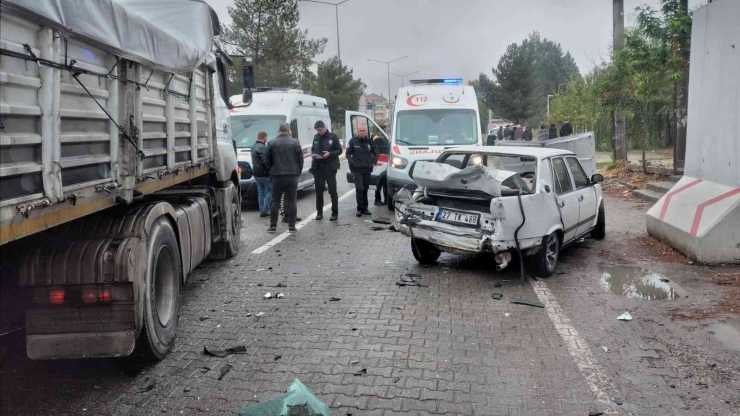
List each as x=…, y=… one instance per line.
x=444, y=347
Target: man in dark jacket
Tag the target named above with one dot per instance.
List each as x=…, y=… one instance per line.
x=500, y=133
x=527, y=134
x=261, y=174
x=285, y=161
x=566, y=129
x=325, y=153
x=553, y=133
x=384, y=148
x=362, y=154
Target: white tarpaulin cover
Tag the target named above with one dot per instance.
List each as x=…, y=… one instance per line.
x=174, y=35
x=477, y=177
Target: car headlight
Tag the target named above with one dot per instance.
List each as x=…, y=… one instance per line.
x=476, y=160
x=399, y=162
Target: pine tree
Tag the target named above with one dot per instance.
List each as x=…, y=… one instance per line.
x=336, y=83
x=266, y=31
x=512, y=94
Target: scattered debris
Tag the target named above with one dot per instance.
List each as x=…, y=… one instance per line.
x=281, y=285
x=377, y=228
x=298, y=400
x=260, y=284
x=390, y=262
x=224, y=369
x=559, y=273
x=268, y=295
x=409, y=279
x=691, y=262
x=186, y=389
x=249, y=314
x=664, y=280
x=626, y=316
x=396, y=379
x=205, y=369
x=497, y=285
x=354, y=361
x=527, y=302
x=381, y=221
x=595, y=413
x=354, y=329
x=498, y=296
x=224, y=353
x=277, y=357
x=204, y=318
x=618, y=401
x=360, y=373
x=149, y=383
x=280, y=296
x=393, y=228
x=605, y=348
x=334, y=299
x=507, y=314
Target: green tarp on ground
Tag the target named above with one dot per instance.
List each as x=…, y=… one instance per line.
x=297, y=401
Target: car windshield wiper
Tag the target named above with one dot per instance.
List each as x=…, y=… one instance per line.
x=398, y=141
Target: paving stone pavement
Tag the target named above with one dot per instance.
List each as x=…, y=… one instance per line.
x=445, y=347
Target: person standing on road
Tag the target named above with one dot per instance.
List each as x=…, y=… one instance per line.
x=566, y=129
x=553, y=133
x=384, y=148
x=518, y=132
x=542, y=135
x=507, y=132
x=325, y=153
x=362, y=154
x=285, y=161
x=527, y=135
x=500, y=133
x=261, y=174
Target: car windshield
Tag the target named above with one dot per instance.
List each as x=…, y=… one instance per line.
x=245, y=128
x=436, y=127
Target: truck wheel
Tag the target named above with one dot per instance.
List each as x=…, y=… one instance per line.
x=599, y=232
x=424, y=251
x=230, y=248
x=544, y=262
x=162, y=295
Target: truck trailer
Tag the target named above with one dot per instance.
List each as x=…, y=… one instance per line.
x=117, y=172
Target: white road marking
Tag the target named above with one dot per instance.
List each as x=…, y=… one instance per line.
x=275, y=241
x=577, y=347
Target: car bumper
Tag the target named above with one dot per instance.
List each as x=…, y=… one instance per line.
x=395, y=185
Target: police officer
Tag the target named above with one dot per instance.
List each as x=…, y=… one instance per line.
x=362, y=155
x=325, y=153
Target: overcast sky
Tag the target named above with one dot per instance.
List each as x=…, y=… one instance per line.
x=454, y=38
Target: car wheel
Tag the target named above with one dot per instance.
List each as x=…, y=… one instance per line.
x=599, y=232
x=424, y=251
x=544, y=262
x=162, y=292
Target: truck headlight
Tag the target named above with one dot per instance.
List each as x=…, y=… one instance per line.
x=399, y=162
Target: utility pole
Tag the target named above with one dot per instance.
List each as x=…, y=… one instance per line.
x=620, y=126
x=679, y=147
x=336, y=13
x=403, y=77
x=548, y=106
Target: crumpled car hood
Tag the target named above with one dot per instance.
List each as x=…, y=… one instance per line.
x=473, y=178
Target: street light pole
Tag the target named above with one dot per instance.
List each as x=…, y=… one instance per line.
x=548, y=105
x=336, y=13
x=565, y=83
x=388, y=68
x=403, y=77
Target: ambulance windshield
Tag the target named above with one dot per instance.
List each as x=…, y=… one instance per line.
x=436, y=127
x=245, y=128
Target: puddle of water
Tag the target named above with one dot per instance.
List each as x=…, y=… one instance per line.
x=636, y=283
x=727, y=335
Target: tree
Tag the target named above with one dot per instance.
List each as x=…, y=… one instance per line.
x=336, y=83
x=266, y=31
x=483, y=107
x=512, y=94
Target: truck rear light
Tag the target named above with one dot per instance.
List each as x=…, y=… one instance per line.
x=94, y=294
x=56, y=296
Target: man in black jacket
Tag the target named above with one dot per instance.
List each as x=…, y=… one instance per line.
x=261, y=174
x=285, y=161
x=362, y=155
x=325, y=153
x=384, y=148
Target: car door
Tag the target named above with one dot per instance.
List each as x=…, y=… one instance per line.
x=566, y=197
x=586, y=195
x=352, y=121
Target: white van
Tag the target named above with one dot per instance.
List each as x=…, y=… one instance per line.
x=269, y=108
x=430, y=116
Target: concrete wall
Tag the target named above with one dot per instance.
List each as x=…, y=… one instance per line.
x=713, y=141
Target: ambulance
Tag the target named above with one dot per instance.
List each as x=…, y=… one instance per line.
x=430, y=117
x=270, y=107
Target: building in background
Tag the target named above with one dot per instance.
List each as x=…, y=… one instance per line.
x=375, y=106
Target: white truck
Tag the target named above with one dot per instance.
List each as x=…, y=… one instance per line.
x=117, y=174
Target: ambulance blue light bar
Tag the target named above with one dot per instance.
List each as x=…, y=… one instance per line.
x=455, y=81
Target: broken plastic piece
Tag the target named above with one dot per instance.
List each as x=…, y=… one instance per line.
x=381, y=221
x=298, y=400
x=268, y=295
x=334, y=299
x=260, y=314
x=507, y=314
x=605, y=348
x=377, y=228
x=281, y=285
x=224, y=369
x=527, y=302
x=149, y=383
x=618, y=401
x=360, y=373
x=625, y=317
x=498, y=296
x=280, y=296
x=224, y=353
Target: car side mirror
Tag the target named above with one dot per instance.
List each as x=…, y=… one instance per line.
x=597, y=178
x=246, y=97
x=547, y=188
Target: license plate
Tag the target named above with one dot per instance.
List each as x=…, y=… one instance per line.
x=458, y=217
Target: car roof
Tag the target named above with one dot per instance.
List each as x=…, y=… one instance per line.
x=538, y=152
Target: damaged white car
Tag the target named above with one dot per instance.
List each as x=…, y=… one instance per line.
x=503, y=201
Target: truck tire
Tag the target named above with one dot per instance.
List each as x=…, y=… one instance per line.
x=424, y=251
x=599, y=232
x=162, y=291
x=544, y=262
x=230, y=248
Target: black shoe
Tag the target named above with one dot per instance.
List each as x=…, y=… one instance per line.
x=333, y=217
x=366, y=212
x=319, y=217
x=292, y=229
x=379, y=203
x=272, y=229
x=264, y=214
x=359, y=213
